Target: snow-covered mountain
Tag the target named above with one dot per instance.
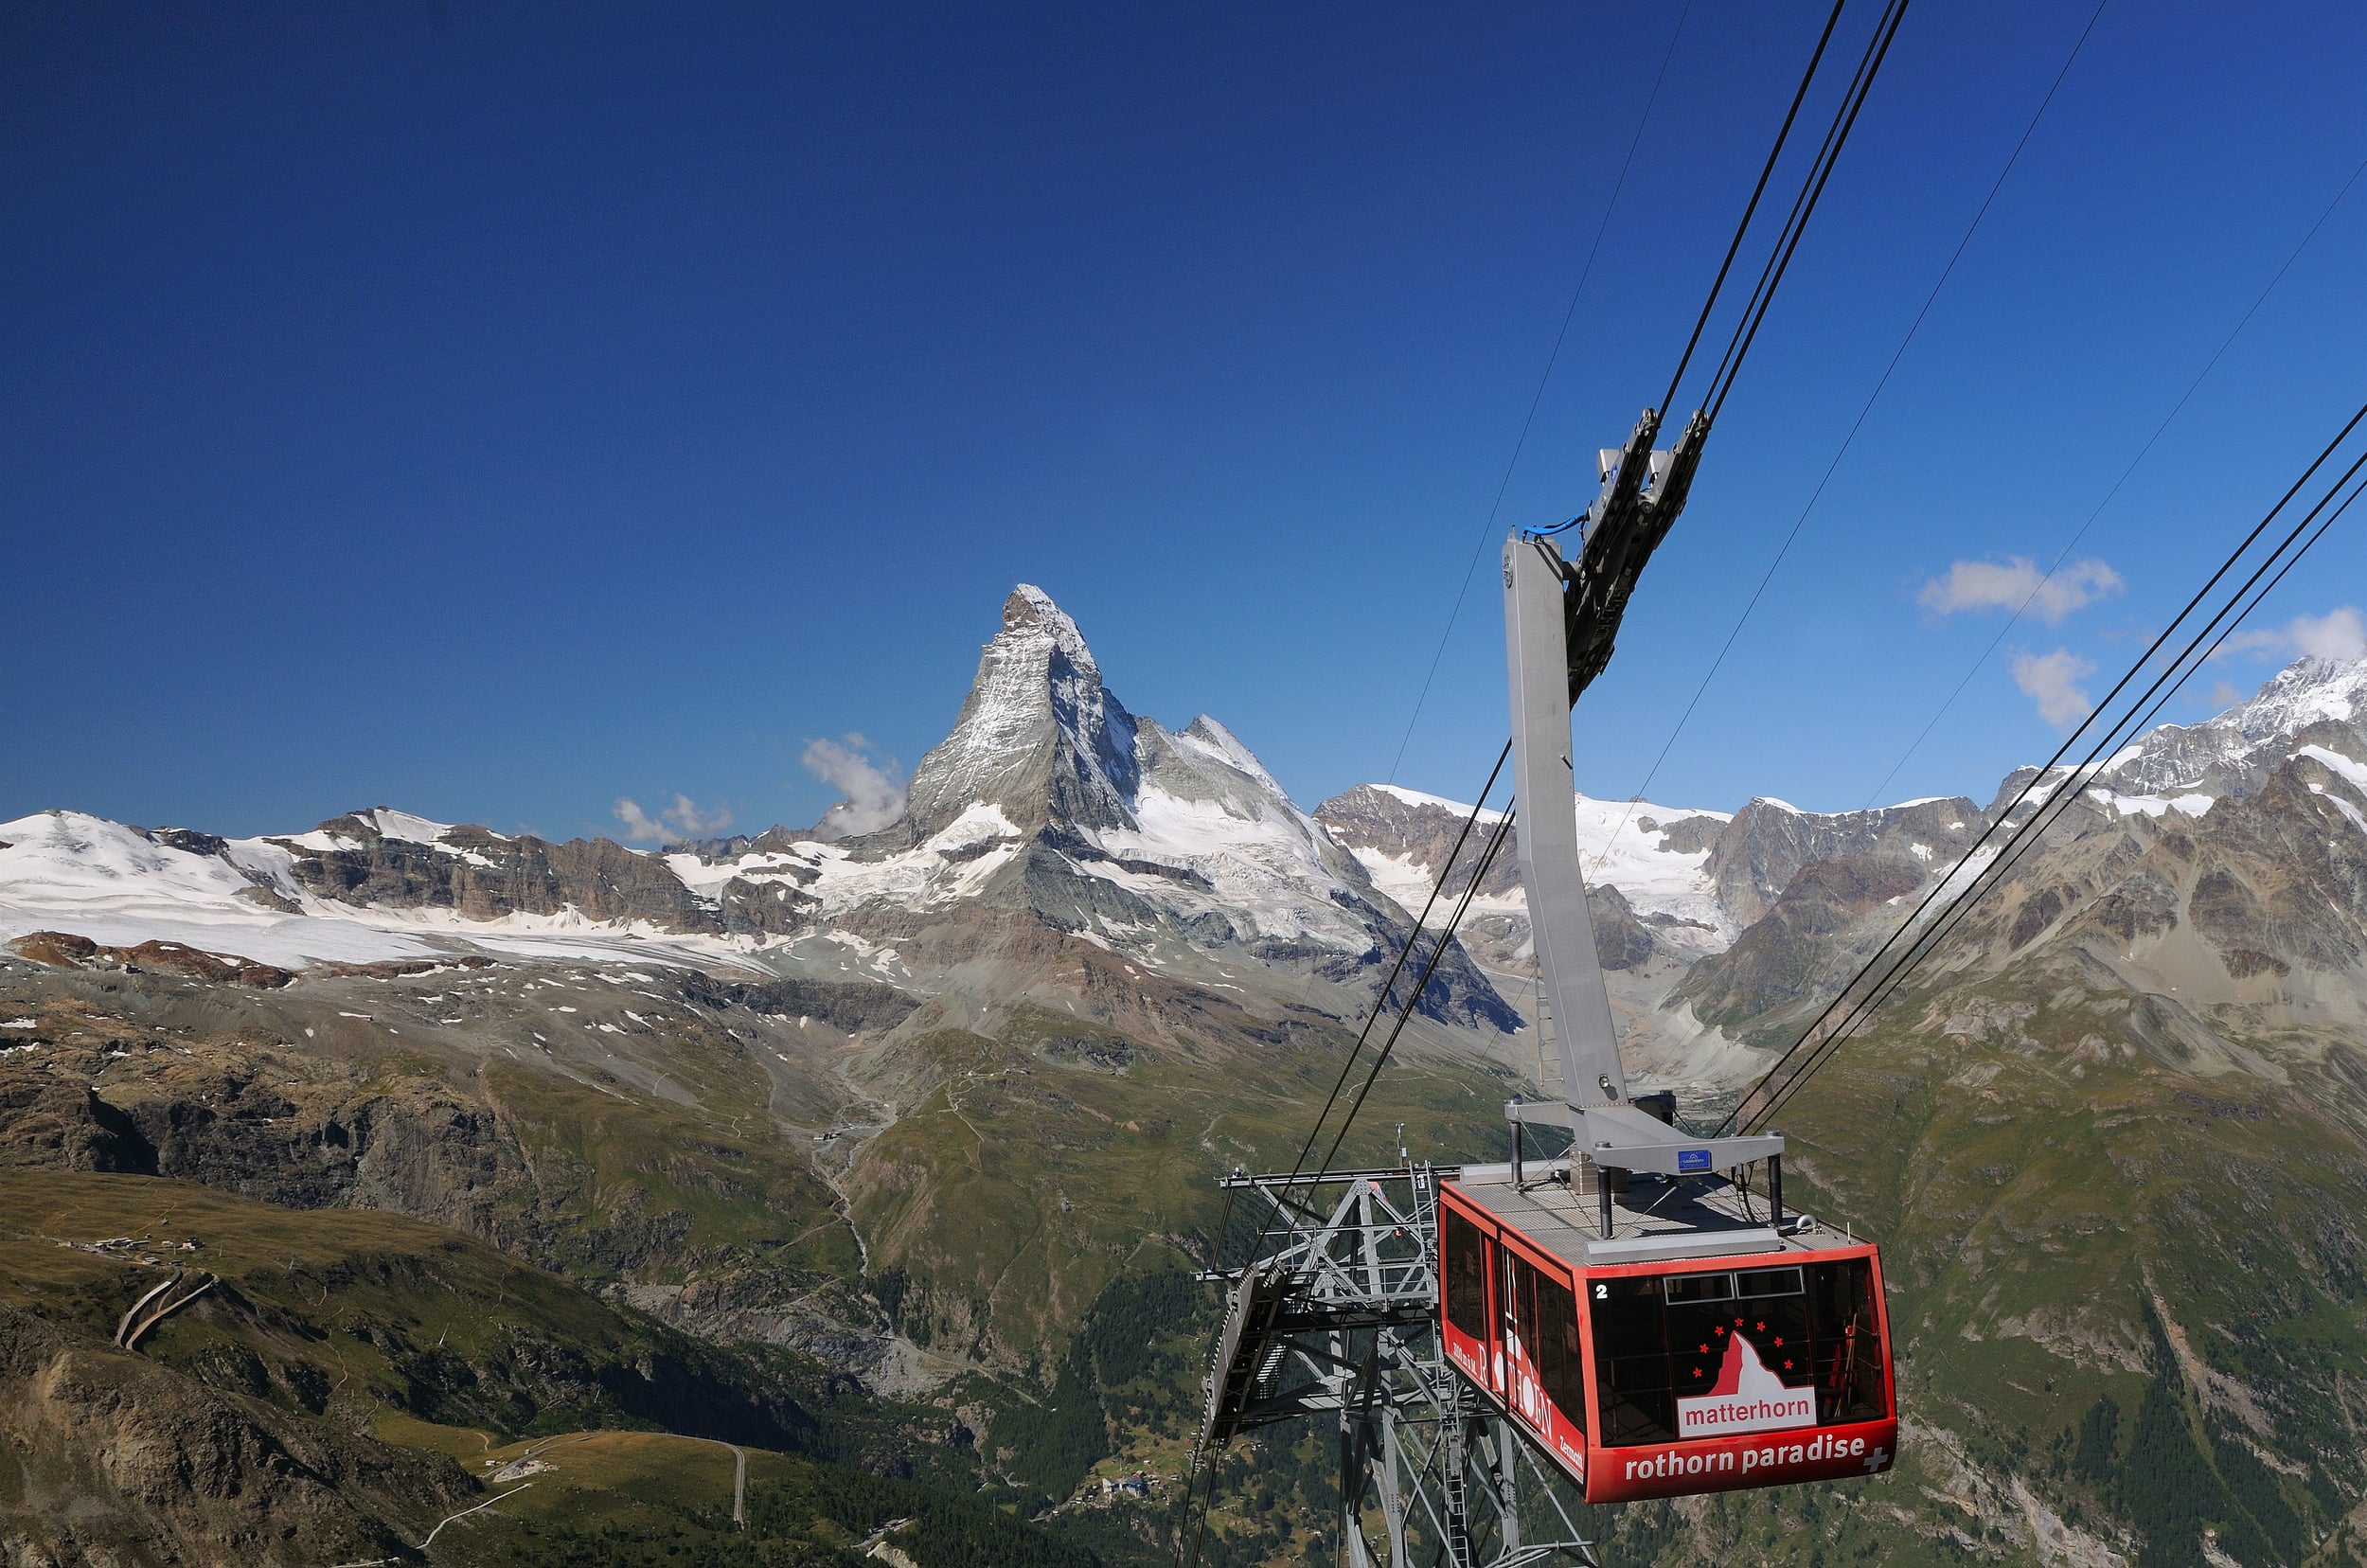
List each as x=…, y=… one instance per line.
x=1052, y=827
x=1054, y=833
x=2186, y=768
x=372, y=886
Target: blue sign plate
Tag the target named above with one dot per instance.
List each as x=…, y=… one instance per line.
x=1693, y=1159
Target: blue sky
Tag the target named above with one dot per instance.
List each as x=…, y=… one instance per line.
x=500, y=412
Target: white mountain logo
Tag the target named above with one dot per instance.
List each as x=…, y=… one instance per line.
x=1747, y=1398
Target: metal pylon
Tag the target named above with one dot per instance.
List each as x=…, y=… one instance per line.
x=1337, y=1313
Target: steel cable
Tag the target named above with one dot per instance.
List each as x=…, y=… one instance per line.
x=1766, y=1096
x=2064, y=554
x=1553, y=357
x=2072, y=787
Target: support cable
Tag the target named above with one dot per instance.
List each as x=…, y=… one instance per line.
x=1487, y=530
x=1412, y=940
x=1196, y=1519
x=1761, y=1091
x=1414, y=1001
x=1849, y=440
x=1774, y=153
x=1755, y=312
x=2056, y=795
x=1812, y=191
x=2052, y=808
x=2142, y=451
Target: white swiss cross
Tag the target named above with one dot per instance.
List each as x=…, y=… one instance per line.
x=1876, y=1460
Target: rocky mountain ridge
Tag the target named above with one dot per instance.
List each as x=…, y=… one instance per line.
x=1102, y=834
x=1173, y=856
x=935, y=1103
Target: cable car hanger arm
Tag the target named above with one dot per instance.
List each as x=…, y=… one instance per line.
x=1561, y=620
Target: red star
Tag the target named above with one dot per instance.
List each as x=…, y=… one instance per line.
x=1779, y=1340
x=1787, y=1366
x=1762, y=1327
x=1697, y=1371
x=1720, y=1328
x=1705, y=1350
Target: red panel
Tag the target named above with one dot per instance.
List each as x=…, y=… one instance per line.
x=1729, y=1464
x=1750, y=1460
x=1523, y=1388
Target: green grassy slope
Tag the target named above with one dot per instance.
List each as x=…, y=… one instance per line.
x=403, y=1365
x=2127, y=1279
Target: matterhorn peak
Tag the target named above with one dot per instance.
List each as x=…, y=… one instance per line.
x=1038, y=738
x=1030, y=610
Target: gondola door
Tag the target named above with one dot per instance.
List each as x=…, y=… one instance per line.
x=1470, y=1326
x=1542, y=1363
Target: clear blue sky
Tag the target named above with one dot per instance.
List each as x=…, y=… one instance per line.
x=498, y=411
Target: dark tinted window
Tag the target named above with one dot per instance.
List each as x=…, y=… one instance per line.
x=1521, y=1298
x=1660, y=1340
x=1467, y=1273
x=1558, y=1363
x=1699, y=1286
x=1631, y=1361
x=1768, y=1282
x=1849, y=1351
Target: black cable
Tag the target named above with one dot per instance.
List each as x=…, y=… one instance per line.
x=2049, y=809
x=1847, y=441
x=1446, y=939
x=1756, y=191
x=1487, y=530
x=2006, y=813
x=1896, y=14
x=2064, y=554
x=1811, y=190
x=1755, y=309
x=2057, y=798
x=1445, y=873
x=1994, y=876
x=2074, y=785
x=1414, y=937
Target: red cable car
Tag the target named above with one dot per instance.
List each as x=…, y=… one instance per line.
x=1664, y=1339
x=1683, y=1355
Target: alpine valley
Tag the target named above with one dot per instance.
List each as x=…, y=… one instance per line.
x=393, y=1190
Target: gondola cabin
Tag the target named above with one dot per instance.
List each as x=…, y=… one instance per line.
x=1695, y=1350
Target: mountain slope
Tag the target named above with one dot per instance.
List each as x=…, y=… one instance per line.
x=938, y=1104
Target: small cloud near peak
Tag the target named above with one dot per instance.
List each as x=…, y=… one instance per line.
x=2338, y=635
x=875, y=792
x=680, y=820
x=2051, y=681
x=2015, y=582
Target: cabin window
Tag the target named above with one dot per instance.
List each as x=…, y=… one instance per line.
x=1632, y=1359
x=1545, y=1317
x=1849, y=1379
x=1467, y=1273
x=1699, y=1286
x=1768, y=1282
x=1560, y=1365
x=1661, y=1338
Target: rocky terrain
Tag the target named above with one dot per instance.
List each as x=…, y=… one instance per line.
x=926, y=1115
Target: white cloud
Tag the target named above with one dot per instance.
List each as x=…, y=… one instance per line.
x=2338, y=635
x=2048, y=679
x=2015, y=581
x=874, y=793
x=682, y=820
